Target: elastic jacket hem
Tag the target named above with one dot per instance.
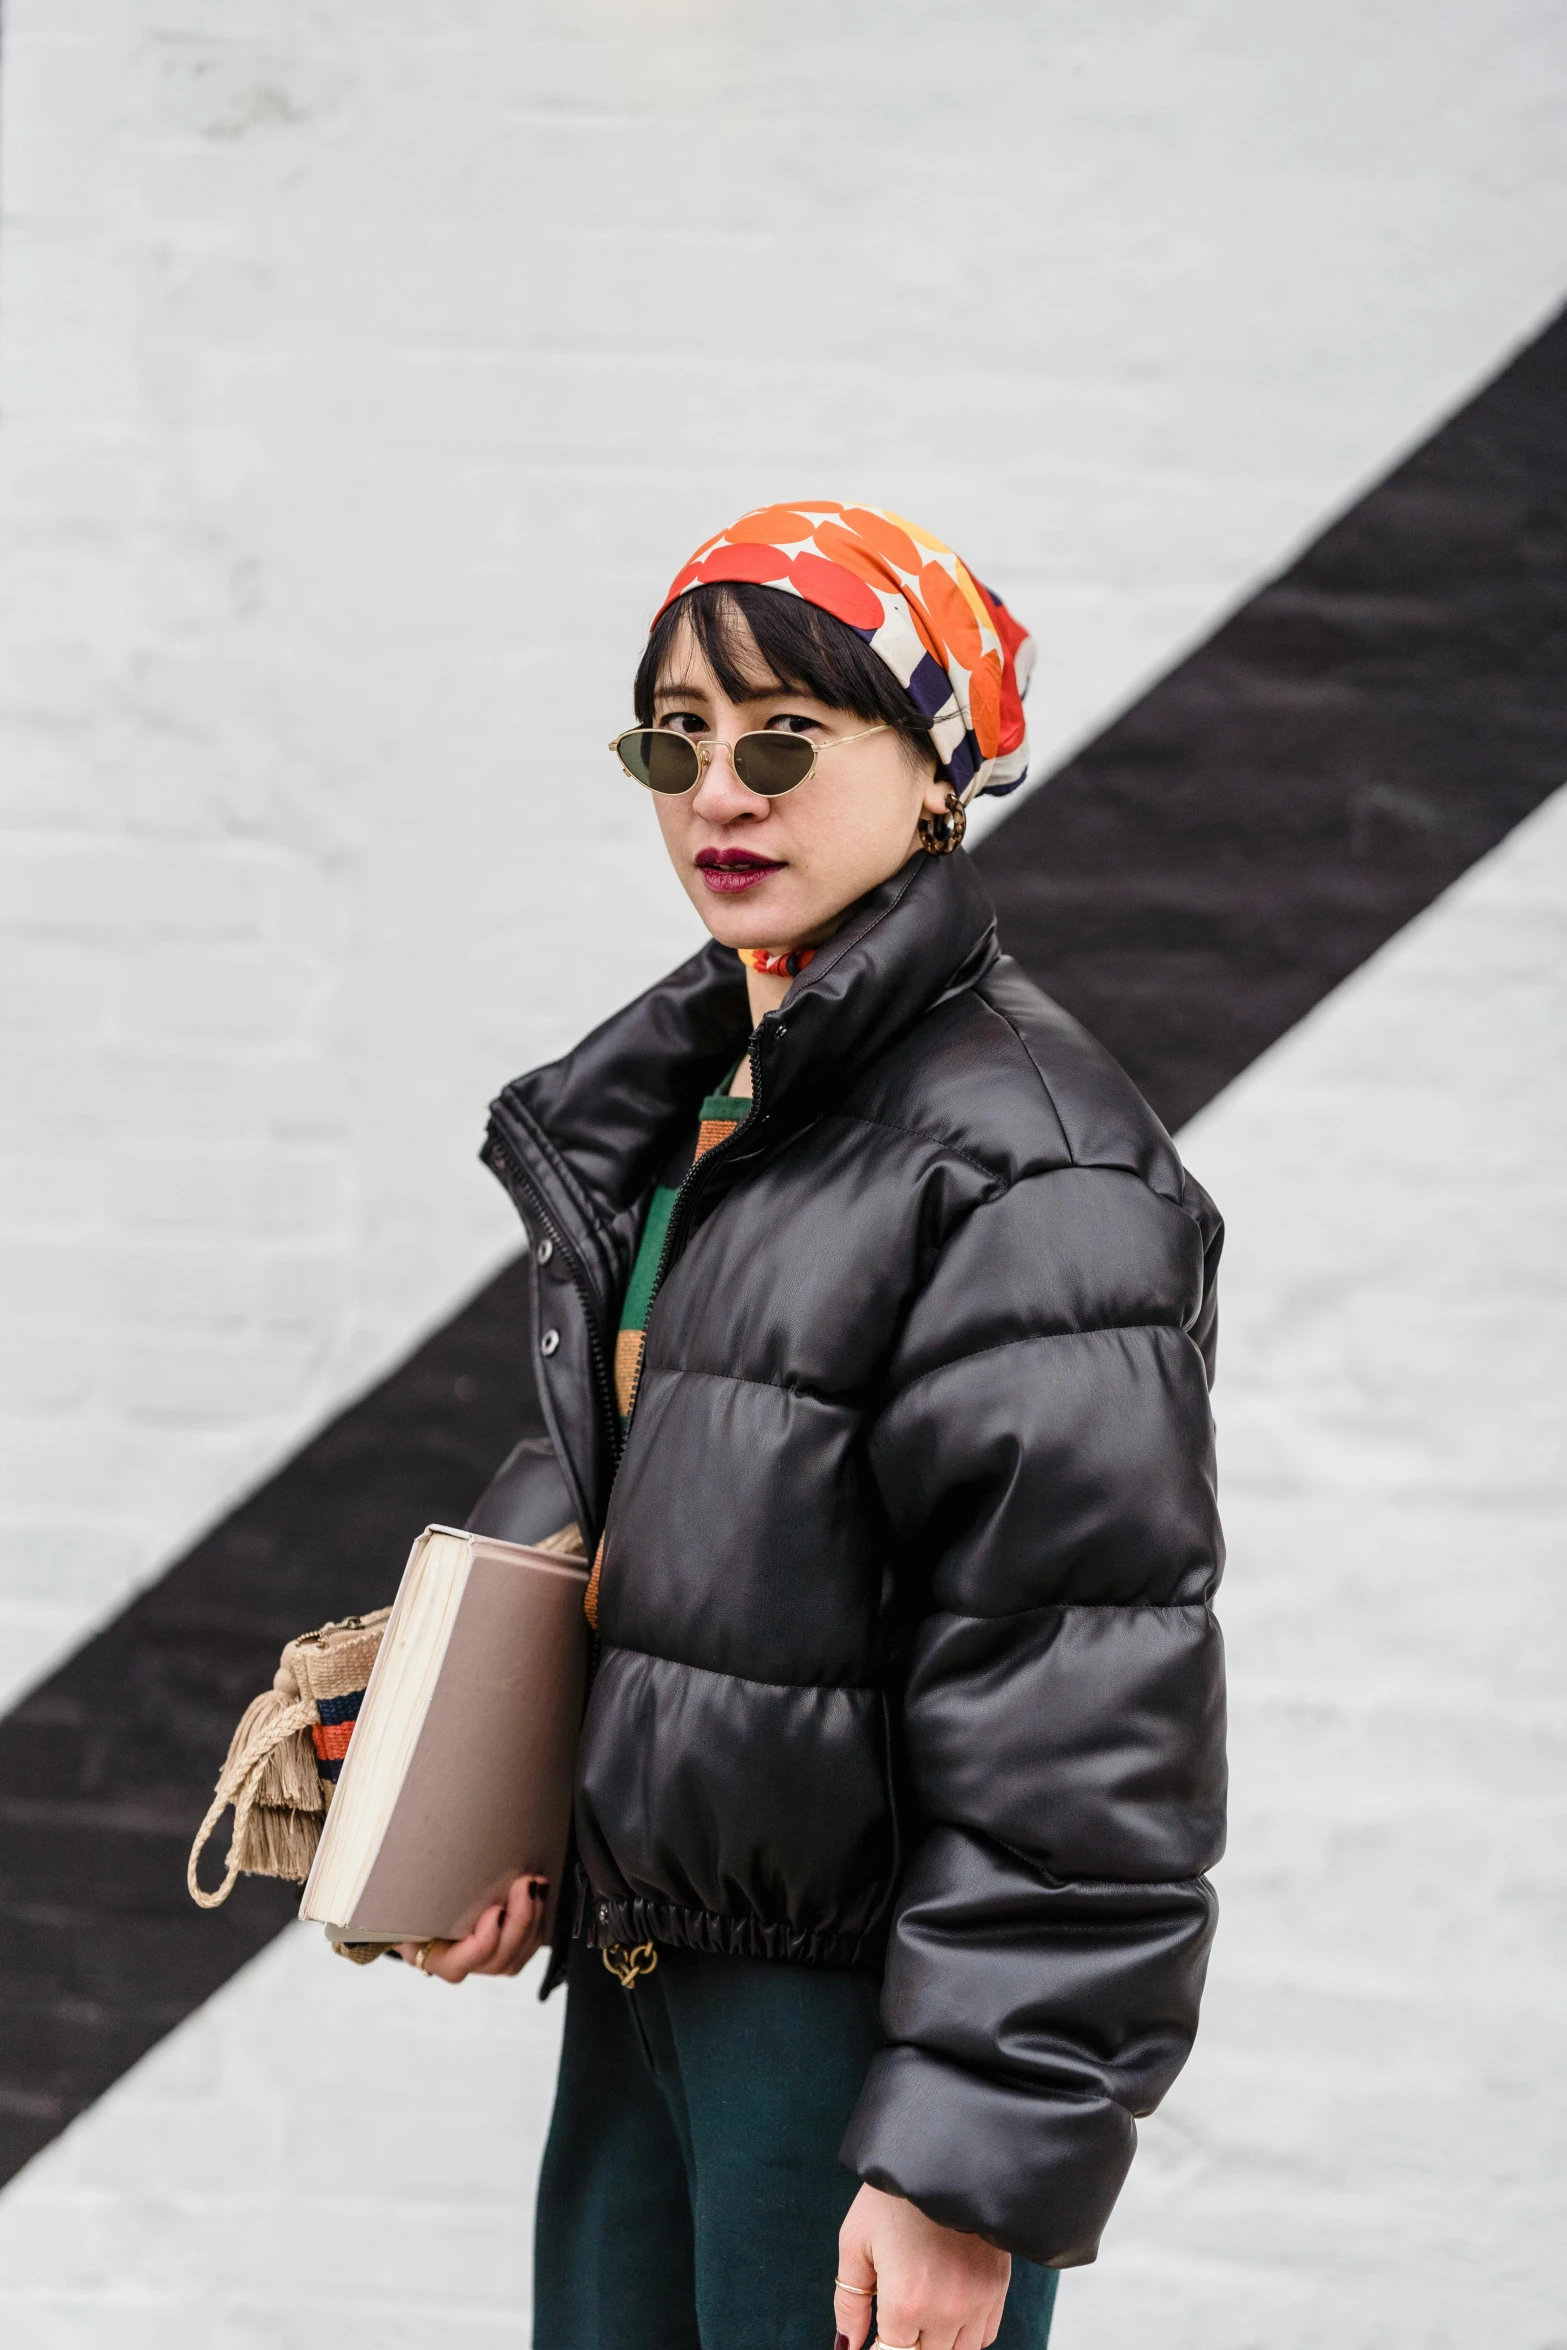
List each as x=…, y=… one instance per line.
x=611, y=1922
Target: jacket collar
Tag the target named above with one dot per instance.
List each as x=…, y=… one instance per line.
x=603, y=1119
x=926, y=932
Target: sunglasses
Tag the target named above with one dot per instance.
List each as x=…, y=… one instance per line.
x=765, y=762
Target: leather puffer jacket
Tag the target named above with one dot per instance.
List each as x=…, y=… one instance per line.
x=907, y=1652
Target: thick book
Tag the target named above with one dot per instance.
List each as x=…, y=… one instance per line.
x=458, y=1775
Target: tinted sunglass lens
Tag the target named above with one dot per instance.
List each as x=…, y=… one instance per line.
x=665, y=762
x=773, y=763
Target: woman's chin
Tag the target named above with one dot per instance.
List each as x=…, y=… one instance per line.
x=755, y=917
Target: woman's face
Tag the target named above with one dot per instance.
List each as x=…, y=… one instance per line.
x=778, y=873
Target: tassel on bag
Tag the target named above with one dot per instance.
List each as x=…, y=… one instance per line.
x=286, y=1754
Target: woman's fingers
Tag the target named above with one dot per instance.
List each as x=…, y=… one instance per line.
x=514, y=1930
x=998, y=2310
x=852, y=2317
x=451, y=1961
x=522, y=1924
x=432, y=1958
x=978, y=2329
x=903, y=2325
x=935, y=2286
x=855, y=2267
x=503, y=1939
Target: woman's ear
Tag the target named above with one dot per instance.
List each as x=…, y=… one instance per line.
x=934, y=802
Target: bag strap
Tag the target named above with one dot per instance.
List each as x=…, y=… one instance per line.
x=266, y=1722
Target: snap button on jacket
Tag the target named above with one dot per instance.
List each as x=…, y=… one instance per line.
x=907, y=1653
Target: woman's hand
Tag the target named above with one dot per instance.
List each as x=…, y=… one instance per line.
x=502, y=1942
x=933, y=2286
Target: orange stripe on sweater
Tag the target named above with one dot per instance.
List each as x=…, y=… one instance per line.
x=628, y=1354
x=590, y=1597
x=711, y=1131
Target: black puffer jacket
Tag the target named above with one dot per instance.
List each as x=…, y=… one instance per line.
x=908, y=1652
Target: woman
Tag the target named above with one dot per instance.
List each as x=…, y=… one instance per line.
x=874, y=1323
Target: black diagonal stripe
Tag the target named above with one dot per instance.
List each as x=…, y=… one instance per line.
x=1338, y=753
x=106, y=1769
x=1190, y=885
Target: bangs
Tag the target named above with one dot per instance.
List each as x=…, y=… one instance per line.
x=759, y=640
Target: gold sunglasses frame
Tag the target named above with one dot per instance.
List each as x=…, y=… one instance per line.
x=705, y=745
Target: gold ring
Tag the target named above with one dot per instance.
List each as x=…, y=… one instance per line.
x=869, y=2291
x=420, y=1956
x=879, y=2344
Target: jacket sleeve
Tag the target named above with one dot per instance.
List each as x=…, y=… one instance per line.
x=1046, y=1459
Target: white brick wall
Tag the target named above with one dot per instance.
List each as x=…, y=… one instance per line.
x=1368, y=2145
x=259, y=2183
x=363, y=377
x=347, y=360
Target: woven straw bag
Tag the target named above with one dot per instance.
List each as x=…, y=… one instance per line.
x=286, y=1754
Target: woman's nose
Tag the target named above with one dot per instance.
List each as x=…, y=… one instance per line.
x=720, y=796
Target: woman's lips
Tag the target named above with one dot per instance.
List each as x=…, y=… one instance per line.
x=728, y=871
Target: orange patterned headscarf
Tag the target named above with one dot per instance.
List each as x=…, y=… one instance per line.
x=952, y=645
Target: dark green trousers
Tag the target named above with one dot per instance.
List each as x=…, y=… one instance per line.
x=691, y=2194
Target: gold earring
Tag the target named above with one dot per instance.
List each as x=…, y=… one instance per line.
x=940, y=835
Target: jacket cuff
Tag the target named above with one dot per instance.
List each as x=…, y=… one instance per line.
x=1036, y=2175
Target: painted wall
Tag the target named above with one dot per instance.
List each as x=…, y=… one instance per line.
x=362, y=378
x=1367, y=2146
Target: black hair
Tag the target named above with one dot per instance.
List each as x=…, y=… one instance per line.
x=800, y=645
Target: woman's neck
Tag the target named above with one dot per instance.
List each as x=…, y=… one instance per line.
x=765, y=991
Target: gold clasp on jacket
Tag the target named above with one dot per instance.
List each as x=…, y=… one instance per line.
x=625, y=1965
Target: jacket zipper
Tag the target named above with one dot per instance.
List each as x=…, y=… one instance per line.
x=519, y=1180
